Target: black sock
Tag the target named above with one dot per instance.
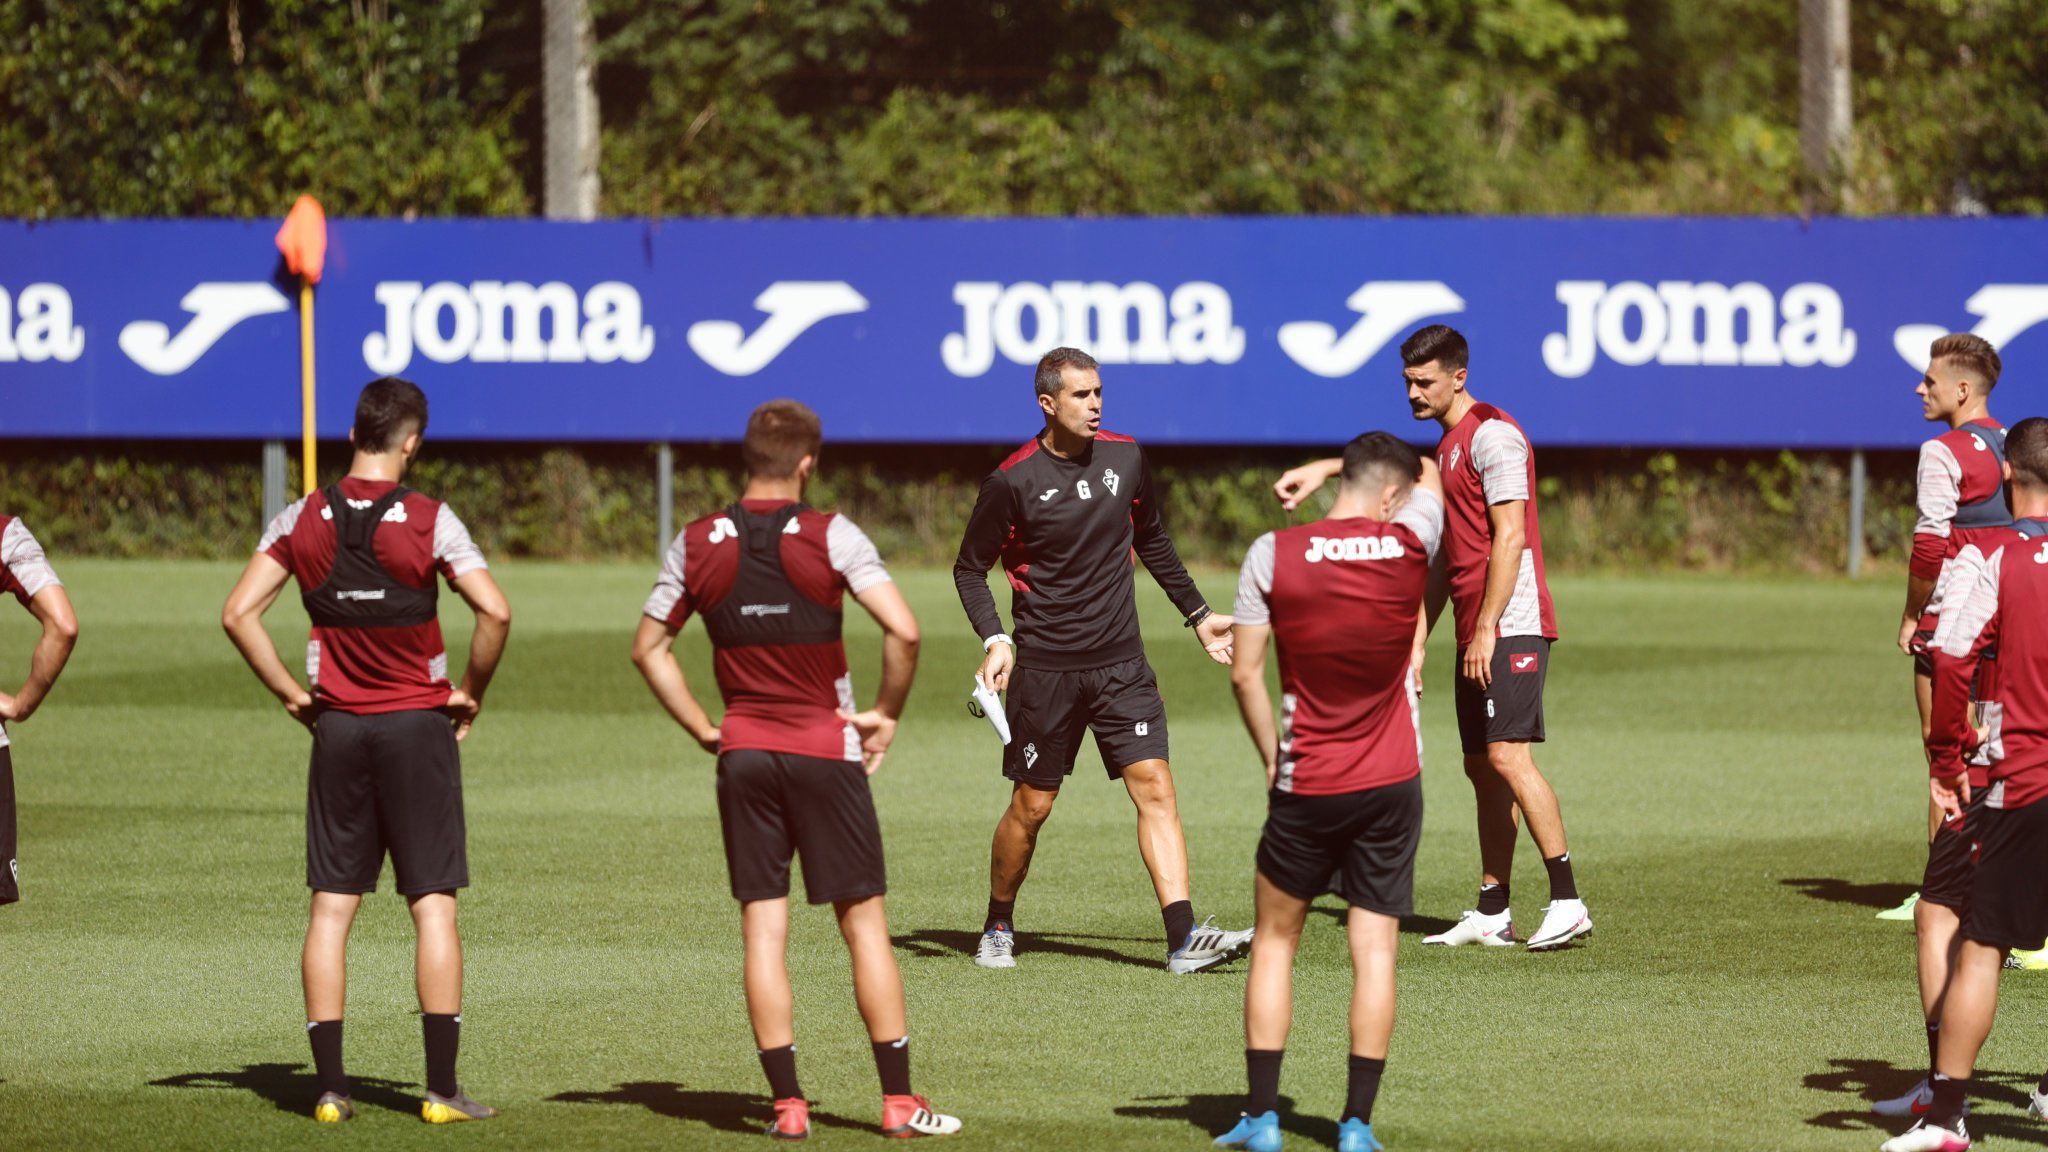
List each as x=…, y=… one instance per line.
x=1934, y=1048
x=1493, y=899
x=1262, y=1073
x=1562, y=887
x=326, y=1038
x=443, y=1035
x=892, y=1063
x=1948, y=1101
x=780, y=1065
x=1365, y=1087
x=2042, y=1087
x=999, y=913
x=1180, y=920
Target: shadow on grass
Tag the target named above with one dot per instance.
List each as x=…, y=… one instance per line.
x=1838, y=891
x=293, y=1087
x=1410, y=925
x=1874, y=1080
x=1214, y=1113
x=722, y=1111
x=930, y=942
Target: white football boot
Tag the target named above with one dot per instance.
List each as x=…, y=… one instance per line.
x=2037, y=1104
x=1497, y=931
x=1563, y=922
x=996, y=949
x=1927, y=1136
x=1206, y=947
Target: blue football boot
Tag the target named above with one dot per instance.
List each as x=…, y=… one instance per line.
x=1259, y=1133
x=1355, y=1135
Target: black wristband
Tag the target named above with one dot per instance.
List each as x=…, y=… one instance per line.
x=1199, y=615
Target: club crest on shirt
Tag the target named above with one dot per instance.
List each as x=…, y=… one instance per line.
x=1457, y=450
x=1110, y=480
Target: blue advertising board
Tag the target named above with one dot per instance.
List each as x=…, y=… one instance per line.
x=1674, y=333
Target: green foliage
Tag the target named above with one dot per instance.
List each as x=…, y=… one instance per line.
x=1601, y=512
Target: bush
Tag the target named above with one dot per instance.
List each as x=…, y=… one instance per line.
x=1601, y=511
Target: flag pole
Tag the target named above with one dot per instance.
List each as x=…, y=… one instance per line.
x=309, y=446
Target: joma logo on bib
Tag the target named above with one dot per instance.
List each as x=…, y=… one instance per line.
x=1321, y=548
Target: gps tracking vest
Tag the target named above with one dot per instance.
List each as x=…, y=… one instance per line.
x=763, y=608
x=1989, y=510
x=358, y=592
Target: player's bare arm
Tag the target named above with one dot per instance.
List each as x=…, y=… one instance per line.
x=1503, y=568
x=654, y=654
x=52, y=610
x=877, y=725
x=486, y=645
x=242, y=618
x=1298, y=484
x=1254, y=702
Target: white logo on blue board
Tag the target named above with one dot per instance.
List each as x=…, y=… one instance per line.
x=1682, y=323
x=793, y=306
x=215, y=307
x=2003, y=311
x=1385, y=309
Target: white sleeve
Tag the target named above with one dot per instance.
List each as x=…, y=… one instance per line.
x=1255, y=583
x=1971, y=584
x=1939, y=484
x=281, y=525
x=25, y=560
x=1423, y=515
x=1500, y=454
x=853, y=556
x=668, y=587
x=452, y=545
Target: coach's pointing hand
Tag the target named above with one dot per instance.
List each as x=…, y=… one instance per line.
x=876, y=730
x=995, y=667
x=1215, y=635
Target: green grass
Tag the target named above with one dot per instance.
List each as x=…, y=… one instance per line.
x=1736, y=762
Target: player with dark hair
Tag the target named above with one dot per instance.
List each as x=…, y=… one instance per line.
x=1993, y=594
x=25, y=574
x=386, y=775
x=1500, y=602
x=1063, y=515
x=768, y=576
x=1340, y=600
x=1961, y=496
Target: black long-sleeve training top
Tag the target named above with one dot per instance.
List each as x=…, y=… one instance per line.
x=1064, y=531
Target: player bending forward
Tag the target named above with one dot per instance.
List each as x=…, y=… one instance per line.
x=1501, y=604
x=767, y=576
x=1340, y=599
x=25, y=573
x=1961, y=493
x=385, y=775
x=1063, y=514
x=1995, y=598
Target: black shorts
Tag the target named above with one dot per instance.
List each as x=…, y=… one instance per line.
x=775, y=805
x=10, y=879
x=1512, y=709
x=1360, y=845
x=2008, y=902
x=388, y=782
x=1048, y=711
x=1952, y=857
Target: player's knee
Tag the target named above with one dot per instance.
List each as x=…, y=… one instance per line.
x=1031, y=806
x=1150, y=783
x=1510, y=761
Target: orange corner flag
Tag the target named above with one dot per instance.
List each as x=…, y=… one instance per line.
x=303, y=239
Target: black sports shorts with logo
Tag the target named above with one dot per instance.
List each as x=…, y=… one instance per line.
x=2008, y=902
x=1360, y=845
x=10, y=880
x=1511, y=709
x=1952, y=856
x=387, y=782
x=776, y=805
x=1048, y=712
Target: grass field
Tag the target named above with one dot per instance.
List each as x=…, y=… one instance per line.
x=1736, y=762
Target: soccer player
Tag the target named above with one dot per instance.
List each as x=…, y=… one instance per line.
x=1063, y=514
x=768, y=576
x=1996, y=597
x=386, y=775
x=1340, y=599
x=25, y=573
x=1501, y=605
x=1961, y=497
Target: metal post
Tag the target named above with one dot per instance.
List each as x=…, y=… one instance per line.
x=569, y=111
x=1858, y=481
x=273, y=479
x=1824, y=114
x=665, y=499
